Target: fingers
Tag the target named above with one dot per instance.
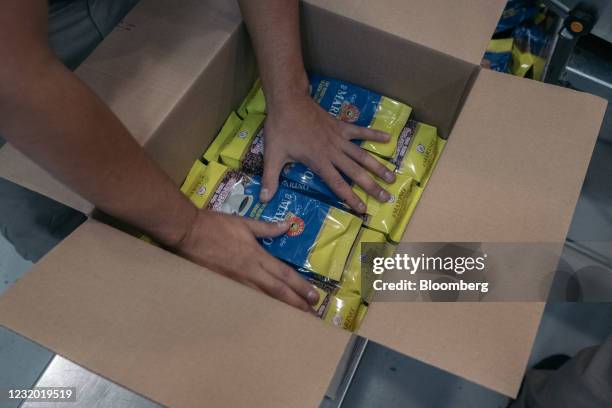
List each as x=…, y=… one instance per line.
x=366, y=160
x=354, y=132
x=338, y=184
x=291, y=278
x=362, y=178
x=274, y=161
x=278, y=289
x=277, y=279
x=263, y=229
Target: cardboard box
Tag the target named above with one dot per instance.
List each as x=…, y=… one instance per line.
x=184, y=336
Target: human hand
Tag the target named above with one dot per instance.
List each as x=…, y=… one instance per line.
x=227, y=244
x=300, y=130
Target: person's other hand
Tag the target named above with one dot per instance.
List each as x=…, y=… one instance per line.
x=300, y=130
x=228, y=245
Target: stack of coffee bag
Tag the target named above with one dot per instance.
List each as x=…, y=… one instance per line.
x=325, y=240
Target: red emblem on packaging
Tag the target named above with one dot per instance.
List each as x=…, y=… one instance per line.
x=349, y=113
x=296, y=225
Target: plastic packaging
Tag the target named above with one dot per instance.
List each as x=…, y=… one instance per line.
x=255, y=101
x=418, y=148
x=337, y=306
x=325, y=291
x=529, y=51
x=349, y=103
x=390, y=218
x=324, y=296
x=361, y=313
x=240, y=144
x=299, y=177
x=498, y=56
x=516, y=12
x=196, y=184
x=227, y=132
x=341, y=309
x=147, y=239
x=415, y=152
x=244, y=150
x=320, y=237
x=353, y=104
x=353, y=279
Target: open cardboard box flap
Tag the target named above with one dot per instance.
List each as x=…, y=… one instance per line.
x=512, y=170
x=177, y=333
x=18, y=168
x=461, y=29
x=168, y=329
x=513, y=166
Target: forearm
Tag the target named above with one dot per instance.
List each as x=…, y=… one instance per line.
x=275, y=33
x=49, y=115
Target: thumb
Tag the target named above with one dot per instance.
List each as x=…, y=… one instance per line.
x=273, y=164
x=262, y=229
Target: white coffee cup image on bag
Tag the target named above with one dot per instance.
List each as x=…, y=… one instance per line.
x=237, y=203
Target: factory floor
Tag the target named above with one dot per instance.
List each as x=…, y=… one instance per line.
x=384, y=377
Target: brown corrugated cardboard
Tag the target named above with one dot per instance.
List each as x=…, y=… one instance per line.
x=512, y=170
x=154, y=56
x=488, y=343
x=19, y=169
x=165, y=328
x=513, y=166
x=458, y=28
x=432, y=83
x=505, y=177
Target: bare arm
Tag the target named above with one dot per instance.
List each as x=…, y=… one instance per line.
x=275, y=31
x=51, y=116
x=297, y=129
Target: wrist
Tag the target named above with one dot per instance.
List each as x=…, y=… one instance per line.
x=284, y=93
x=185, y=226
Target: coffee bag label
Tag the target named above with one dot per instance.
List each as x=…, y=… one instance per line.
x=253, y=160
x=347, y=102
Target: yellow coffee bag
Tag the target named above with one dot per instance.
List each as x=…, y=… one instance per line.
x=418, y=148
x=342, y=308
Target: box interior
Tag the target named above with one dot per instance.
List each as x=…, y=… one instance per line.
x=435, y=87
x=434, y=84
x=198, y=116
